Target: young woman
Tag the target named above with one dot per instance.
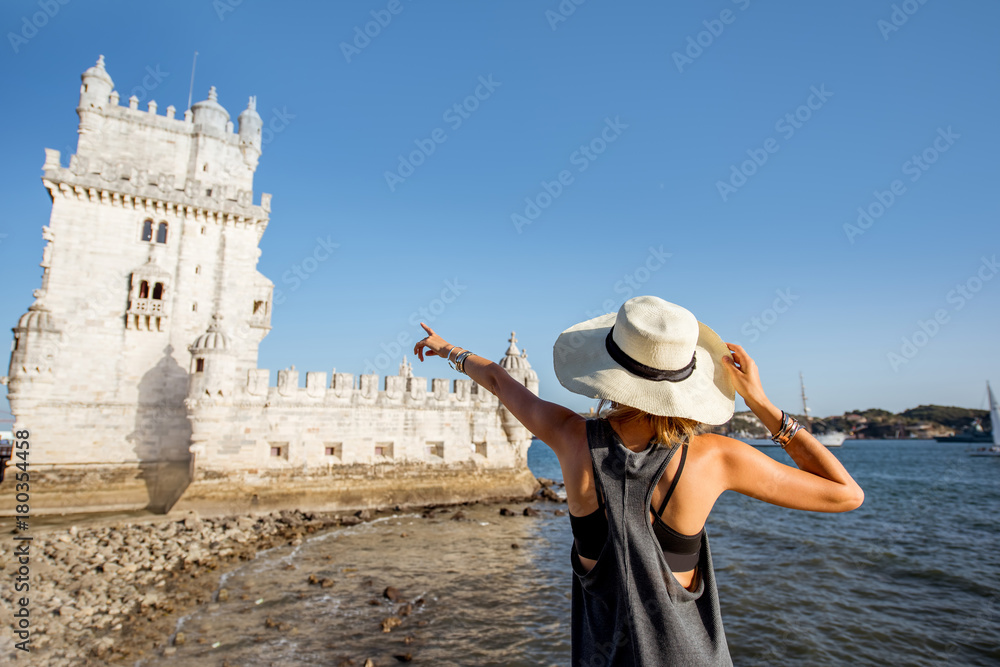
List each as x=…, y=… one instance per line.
x=644, y=591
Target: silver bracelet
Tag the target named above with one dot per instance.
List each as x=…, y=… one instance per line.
x=453, y=348
x=460, y=361
x=789, y=427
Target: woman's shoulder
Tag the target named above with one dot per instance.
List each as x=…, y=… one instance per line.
x=717, y=444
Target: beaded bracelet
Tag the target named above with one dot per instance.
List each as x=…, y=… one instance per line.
x=789, y=427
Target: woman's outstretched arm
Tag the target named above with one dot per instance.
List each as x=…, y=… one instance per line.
x=820, y=484
x=553, y=424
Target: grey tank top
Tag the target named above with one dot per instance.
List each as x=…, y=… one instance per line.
x=629, y=609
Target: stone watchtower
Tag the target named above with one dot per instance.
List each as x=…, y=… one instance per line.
x=153, y=233
x=517, y=366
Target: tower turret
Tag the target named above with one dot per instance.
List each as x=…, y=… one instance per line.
x=212, y=363
x=95, y=92
x=96, y=87
x=516, y=364
x=251, y=126
x=210, y=117
x=36, y=341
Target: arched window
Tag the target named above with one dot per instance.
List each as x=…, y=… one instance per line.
x=147, y=230
x=143, y=290
x=158, y=291
x=161, y=233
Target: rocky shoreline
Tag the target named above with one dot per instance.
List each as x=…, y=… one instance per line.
x=113, y=594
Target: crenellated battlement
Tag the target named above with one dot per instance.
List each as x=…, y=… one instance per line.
x=349, y=419
x=199, y=153
x=366, y=389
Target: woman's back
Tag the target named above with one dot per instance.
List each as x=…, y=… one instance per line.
x=628, y=608
x=696, y=486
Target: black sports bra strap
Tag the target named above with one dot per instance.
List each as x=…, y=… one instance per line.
x=670, y=491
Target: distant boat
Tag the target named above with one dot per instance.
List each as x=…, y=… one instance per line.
x=972, y=433
x=830, y=439
x=995, y=419
x=833, y=439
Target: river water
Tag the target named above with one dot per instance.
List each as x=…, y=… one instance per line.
x=910, y=578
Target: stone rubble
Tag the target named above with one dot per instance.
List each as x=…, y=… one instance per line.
x=91, y=588
x=112, y=593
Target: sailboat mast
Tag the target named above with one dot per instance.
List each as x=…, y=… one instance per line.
x=805, y=408
x=994, y=415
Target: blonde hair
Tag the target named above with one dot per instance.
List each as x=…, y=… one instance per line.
x=669, y=430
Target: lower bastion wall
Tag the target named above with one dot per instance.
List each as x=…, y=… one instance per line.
x=348, y=445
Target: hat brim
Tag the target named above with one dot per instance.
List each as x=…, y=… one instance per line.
x=584, y=366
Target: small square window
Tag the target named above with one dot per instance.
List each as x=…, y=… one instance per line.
x=383, y=449
x=279, y=450
x=434, y=450
x=333, y=450
x=480, y=448
x=275, y=451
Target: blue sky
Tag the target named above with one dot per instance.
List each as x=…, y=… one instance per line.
x=709, y=153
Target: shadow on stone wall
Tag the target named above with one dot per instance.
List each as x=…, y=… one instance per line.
x=162, y=433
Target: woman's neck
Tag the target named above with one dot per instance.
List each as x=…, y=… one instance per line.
x=634, y=434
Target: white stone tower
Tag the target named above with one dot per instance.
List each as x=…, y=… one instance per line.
x=135, y=369
x=153, y=232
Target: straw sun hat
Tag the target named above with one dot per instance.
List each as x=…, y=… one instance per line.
x=652, y=355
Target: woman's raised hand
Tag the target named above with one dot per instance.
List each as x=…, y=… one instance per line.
x=436, y=346
x=743, y=374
